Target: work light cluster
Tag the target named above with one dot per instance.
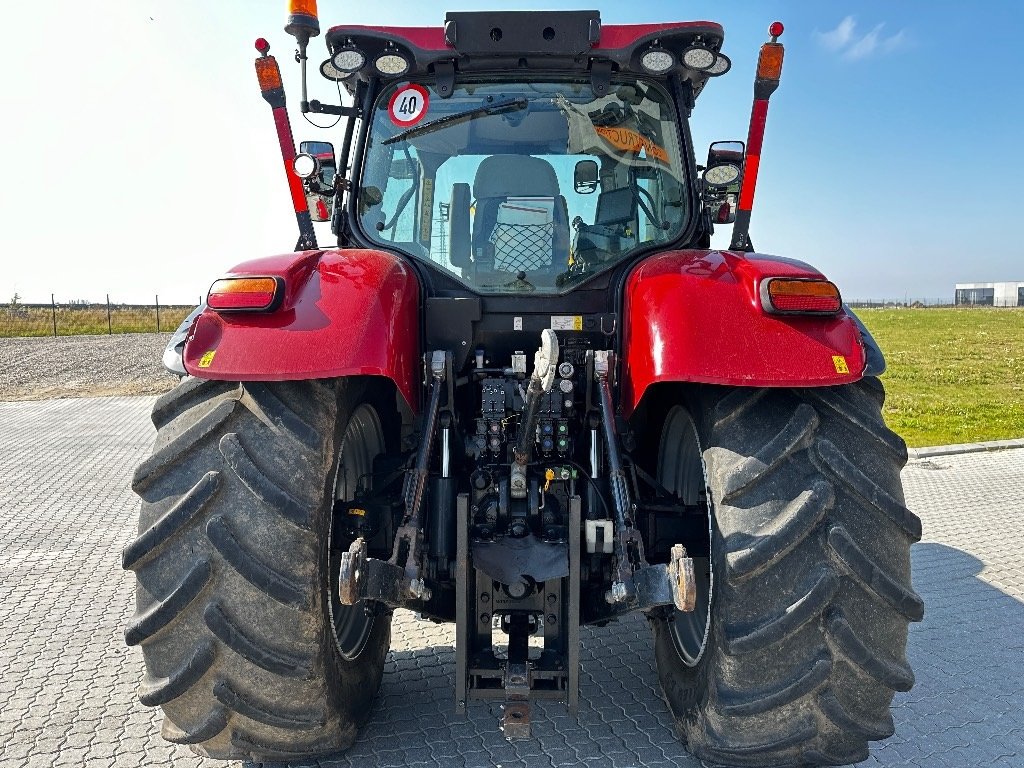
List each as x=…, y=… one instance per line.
x=348, y=59
x=698, y=57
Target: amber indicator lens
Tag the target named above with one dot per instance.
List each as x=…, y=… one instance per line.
x=243, y=293
x=769, y=63
x=811, y=296
x=267, y=73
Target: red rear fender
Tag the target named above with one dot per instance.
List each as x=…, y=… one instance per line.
x=696, y=316
x=345, y=313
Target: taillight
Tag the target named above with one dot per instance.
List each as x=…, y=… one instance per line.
x=800, y=296
x=246, y=294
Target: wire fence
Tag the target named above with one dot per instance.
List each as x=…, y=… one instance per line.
x=78, y=318
x=922, y=303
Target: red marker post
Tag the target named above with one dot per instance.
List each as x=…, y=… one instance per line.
x=769, y=71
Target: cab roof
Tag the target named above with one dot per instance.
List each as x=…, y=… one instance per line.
x=529, y=40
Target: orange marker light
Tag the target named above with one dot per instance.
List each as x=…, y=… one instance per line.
x=253, y=294
x=268, y=73
x=800, y=296
x=302, y=20
x=305, y=7
x=769, y=63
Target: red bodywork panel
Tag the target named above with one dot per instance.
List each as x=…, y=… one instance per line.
x=613, y=36
x=696, y=316
x=345, y=313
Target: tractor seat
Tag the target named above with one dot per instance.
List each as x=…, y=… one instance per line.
x=521, y=220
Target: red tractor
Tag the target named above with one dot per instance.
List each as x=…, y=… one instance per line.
x=523, y=394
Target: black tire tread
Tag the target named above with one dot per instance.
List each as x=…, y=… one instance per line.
x=249, y=565
x=870, y=576
x=165, y=458
x=796, y=434
x=230, y=612
x=160, y=534
x=260, y=652
x=191, y=391
x=215, y=722
x=154, y=691
x=808, y=643
x=891, y=673
x=259, y=485
x=787, y=531
x=845, y=472
x=264, y=712
x=158, y=616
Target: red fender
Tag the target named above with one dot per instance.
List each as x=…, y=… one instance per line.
x=696, y=316
x=345, y=313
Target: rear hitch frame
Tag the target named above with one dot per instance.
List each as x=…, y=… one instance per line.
x=638, y=585
x=399, y=581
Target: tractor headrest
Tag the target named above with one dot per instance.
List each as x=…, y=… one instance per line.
x=515, y=176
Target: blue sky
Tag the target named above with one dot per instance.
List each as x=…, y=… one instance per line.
x=144, y=160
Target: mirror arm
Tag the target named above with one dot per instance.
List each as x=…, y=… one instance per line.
x=329, y=109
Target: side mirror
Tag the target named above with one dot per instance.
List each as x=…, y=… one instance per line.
x=721, y=179
x=584, y=178
x=316, y=166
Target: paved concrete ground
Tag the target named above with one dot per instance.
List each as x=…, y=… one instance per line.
x=67, y=683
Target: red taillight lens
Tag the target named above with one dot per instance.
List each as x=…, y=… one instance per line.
x=816, y=297
x=251, y=294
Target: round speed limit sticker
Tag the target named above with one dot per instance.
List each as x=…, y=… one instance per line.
x=408, y=105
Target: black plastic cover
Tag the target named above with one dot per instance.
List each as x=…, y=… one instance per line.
x=523, y=33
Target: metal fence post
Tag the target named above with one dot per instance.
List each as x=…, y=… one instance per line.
x=110, y=328
x=53, y=313
x=158, y=314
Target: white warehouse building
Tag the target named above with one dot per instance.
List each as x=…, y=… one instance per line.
x=990, y=294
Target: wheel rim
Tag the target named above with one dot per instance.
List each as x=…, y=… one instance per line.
x=681, y=471
x=362, y=442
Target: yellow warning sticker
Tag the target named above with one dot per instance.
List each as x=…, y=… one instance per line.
x=205, y=360
x=357, y=512
x=840, y=363
x=567, y=322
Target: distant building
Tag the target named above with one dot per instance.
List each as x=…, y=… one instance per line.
x=990, y=294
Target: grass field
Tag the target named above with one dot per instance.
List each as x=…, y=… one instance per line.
x=76, y=320
x=954, y=375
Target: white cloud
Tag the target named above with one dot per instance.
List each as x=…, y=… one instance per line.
x=837, y=39
x=846, y=41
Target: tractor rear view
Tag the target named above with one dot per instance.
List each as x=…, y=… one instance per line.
x=522, y=394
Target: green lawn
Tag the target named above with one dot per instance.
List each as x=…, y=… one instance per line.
x=74, y=320
x=954, y=375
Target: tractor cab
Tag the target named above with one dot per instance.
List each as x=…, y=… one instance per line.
x=523, y=152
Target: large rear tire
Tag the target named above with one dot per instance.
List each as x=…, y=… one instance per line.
x=247, y=649
x=798, y=658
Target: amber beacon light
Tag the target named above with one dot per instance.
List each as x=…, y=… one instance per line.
x=302, y=20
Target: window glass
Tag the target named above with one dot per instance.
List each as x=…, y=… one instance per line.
x=482, y=184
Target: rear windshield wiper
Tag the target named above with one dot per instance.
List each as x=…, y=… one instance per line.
x=498, y=107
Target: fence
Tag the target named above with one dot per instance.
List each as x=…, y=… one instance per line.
x=81, y=318
x=896, y=303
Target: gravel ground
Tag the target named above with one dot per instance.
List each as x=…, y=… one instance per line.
x=83, y=366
